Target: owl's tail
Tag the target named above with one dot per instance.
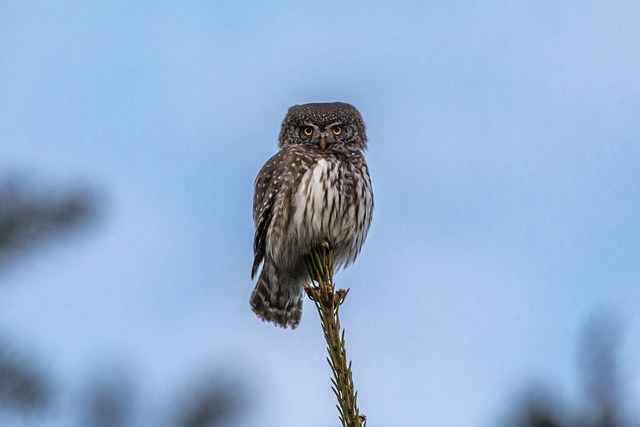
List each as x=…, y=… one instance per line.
x=280, y=305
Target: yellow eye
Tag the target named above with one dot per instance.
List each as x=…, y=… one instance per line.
x=337, y=130
x=308, y=130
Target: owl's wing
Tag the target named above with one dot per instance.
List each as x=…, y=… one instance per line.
x=259, y=240
x=266, y=188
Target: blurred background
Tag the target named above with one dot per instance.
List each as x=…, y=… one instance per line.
x=500, y=283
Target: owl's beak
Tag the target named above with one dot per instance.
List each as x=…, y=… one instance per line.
x=323, y=142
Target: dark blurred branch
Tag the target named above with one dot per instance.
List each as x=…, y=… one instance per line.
x=28, y=216
x=109, y=401
x=599, y=368
x=213, y=404
x=22, y=388
x=603, y=386
x=538, y=407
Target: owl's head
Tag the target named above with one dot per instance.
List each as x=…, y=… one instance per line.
x=329, y=126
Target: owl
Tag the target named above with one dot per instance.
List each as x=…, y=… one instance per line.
x=315, y=191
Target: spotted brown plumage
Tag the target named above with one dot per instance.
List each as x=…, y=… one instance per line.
x=315, y=190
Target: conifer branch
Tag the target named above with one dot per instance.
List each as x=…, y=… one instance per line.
x=320, y=264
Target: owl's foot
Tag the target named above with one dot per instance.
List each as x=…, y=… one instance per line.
x=325, y=244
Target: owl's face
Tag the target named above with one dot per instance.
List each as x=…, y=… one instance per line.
x=328, y=126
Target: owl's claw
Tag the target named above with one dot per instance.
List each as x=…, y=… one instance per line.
x=325, y=244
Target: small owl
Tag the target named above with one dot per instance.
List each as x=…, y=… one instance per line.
x=315, y=190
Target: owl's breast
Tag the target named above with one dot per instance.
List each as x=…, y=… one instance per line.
x=317, y=202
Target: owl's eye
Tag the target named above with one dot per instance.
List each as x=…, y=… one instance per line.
x=307, y=130
x=337, y=130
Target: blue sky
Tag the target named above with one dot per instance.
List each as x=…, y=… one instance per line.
x=504, y=148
